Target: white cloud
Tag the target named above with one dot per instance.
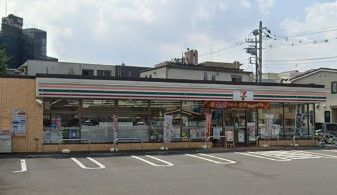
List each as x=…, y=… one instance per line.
x=246, y=3
x=318, y=16
x=265, y=5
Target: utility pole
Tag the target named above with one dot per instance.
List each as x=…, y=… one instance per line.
x=256, y=49
x=260, y=52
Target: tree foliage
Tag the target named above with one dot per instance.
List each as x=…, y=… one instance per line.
x=4, y=59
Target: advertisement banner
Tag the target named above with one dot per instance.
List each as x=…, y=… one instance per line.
x=19, y=122
x=168, y=128
x=251, y=126
x=115, y=127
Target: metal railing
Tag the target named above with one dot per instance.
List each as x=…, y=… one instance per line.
x=128, y=139
x=62, y=140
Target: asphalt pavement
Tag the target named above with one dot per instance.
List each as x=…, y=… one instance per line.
x=246, y=172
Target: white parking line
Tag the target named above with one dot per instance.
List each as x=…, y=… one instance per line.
x=23, y=166
x=219, y=158
x=263, y=157
x=207, y=159
x=100, y=166
x=333, y=150
x=167, y=164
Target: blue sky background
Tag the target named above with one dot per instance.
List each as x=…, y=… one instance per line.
x=146, y=32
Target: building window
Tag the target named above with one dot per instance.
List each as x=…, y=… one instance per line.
x=327, y=116
x=205, y=76
x=88, y=72
x=213, y=77
x=236, y=78
x=104, y=73
x=334, y=87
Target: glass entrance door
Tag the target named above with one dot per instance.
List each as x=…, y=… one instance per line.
x=240, y=127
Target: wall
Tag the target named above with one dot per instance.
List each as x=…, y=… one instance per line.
x=155, y=73
x=199, y=75
x=19, y=93
x=323, y=78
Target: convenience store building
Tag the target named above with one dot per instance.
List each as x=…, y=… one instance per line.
x=40, y=111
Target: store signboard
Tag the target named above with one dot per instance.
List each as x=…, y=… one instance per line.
x=243, y=95
x=238, y=105
x=19, y=122
x=217, y=132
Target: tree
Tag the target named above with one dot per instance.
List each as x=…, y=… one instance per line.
x=4, y=59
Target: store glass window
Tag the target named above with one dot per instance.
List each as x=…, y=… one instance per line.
x=193, y=120
x=289, y=120
x=61, y=119
x=97, y=120
x=158, y=110
x=133, y=119
x=271, y=122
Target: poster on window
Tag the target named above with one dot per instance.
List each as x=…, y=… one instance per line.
x=269, y=119
x=229, y=135
x=19, y=122
x=251, y=127
x=115, y=128
x=241, y=136
x=299, y=124
x=217, y=132
x=168, y=128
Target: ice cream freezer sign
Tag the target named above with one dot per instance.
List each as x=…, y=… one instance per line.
x=19, y=122
x=243, y=95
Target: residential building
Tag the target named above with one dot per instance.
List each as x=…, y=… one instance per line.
x=33, y=67
x=22, y=44
x=207, y=71
x=325, y=111
x=279, y=77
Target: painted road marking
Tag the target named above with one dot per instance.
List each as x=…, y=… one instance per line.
x=166, y=164
x=210, y=160
x=100, y=166
x=331, y=150
x=287, y=155
x=23, y=166
x=263, y=157
x=219, y=158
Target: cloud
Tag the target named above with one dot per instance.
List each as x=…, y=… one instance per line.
x=246, y=3
x=265, y=5
x=318, y=16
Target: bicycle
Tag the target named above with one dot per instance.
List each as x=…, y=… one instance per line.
x=323, y=139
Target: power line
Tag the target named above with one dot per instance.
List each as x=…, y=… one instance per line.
x=307, y=59
x=223, y=49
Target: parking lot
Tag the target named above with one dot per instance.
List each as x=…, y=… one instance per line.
x=261, y=172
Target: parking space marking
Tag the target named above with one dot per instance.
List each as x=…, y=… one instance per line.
x=332, y=150
x=100, y=166
x=167, y=164
x=263, y=157
x=287, y=155
x=209, y=160
x=322, y=155
x=219, y=158
x=23, y=166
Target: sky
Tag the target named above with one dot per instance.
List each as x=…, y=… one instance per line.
x=147, y=32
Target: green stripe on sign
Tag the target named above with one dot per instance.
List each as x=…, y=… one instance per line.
x=277, y=96
x=132, y=92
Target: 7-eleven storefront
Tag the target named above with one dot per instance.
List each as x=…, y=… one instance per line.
x=179, y=113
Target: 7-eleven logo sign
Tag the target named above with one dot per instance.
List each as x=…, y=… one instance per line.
x=243, y=95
